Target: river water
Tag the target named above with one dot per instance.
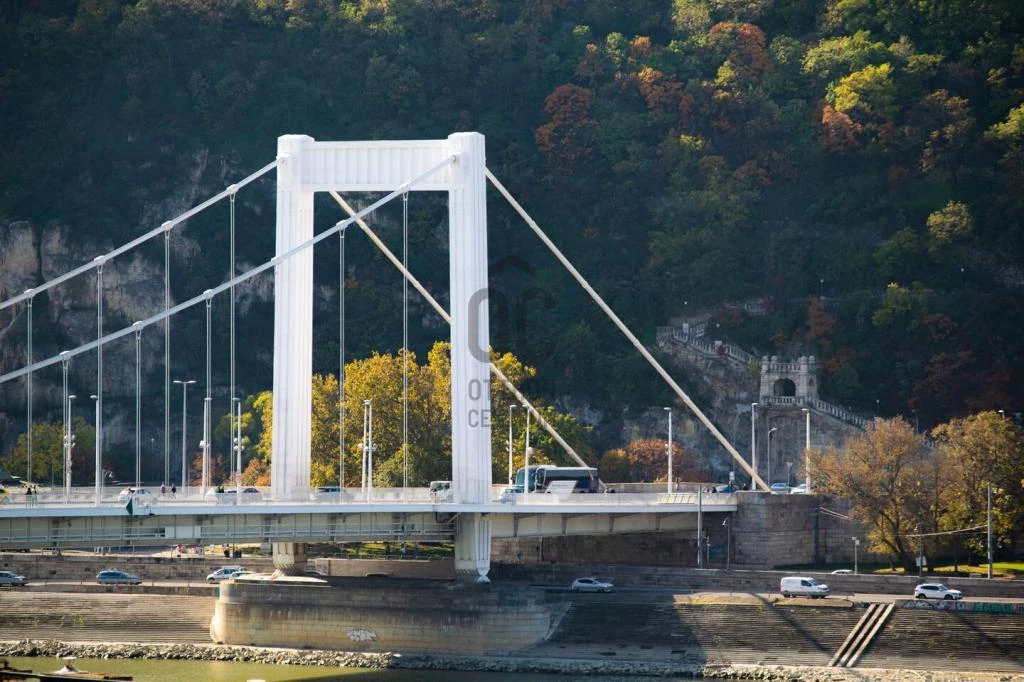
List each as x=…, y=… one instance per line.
x=223, y=671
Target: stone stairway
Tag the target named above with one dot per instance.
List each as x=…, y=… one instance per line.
x=796, y=635
x=105, y=617
x=949, y=640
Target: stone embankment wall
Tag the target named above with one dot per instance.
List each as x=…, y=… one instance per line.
x=70, y=567
x=764, y=532
x=383, y=617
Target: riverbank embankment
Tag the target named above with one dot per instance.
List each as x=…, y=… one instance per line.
x=497, y=664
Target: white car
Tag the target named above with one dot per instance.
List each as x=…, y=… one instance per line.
x=591, y=585
x=222, y=573
x=140, y=495
x=842, y=571
x=936, y=591
x=798, y=489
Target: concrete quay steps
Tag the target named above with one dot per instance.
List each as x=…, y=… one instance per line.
x=743, y=633
x=949, y=640
x=105, y=617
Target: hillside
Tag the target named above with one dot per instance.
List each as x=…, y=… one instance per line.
x=854, y=164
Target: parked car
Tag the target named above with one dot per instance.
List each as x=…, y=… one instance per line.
x=780, y=487
x=143, y=495
x=228, y=495
x=802, y=586
x=725, y=488
x=316, y=573
x=591, y=585
x=798, y=489
x=112, y=577
x=842, y=571
x=8, y=579
x=936, y=591
x=222, y=573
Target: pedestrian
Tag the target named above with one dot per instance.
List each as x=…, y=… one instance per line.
x=163, y=489
x=174, y=490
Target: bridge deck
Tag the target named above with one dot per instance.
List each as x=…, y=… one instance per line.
x=45, y=521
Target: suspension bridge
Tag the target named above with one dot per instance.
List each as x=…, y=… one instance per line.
x=289, y=515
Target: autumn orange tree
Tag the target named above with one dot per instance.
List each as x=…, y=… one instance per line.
x=646, y=460
x=888, y=474
x=378, y=379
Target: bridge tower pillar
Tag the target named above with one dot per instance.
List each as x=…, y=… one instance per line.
x=308, y=166
x=471, y=392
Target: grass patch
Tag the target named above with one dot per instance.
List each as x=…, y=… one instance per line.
x=1000, y=569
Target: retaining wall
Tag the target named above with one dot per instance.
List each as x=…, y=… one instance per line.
x=381, y=617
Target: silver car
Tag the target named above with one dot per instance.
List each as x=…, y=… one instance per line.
x=591, y=585
x=8, y=579
x=117, y=578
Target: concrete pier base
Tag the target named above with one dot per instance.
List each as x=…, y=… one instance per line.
x=289, y=558
x=379, y=615
x=472, y=548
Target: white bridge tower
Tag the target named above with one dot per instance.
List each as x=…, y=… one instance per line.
x=308, y=166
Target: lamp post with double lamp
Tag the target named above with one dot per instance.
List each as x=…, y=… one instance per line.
x=669, y=448
x=238, y=449
x=526, y=453
x=99, y=468
x=184, y=429
x=510, y=408
x=753, y=443
x=69, y=445
x=807, y=450
x=770, y=432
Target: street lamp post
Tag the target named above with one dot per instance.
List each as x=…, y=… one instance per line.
x=99, y=470
x=205, y=443
x=669, y=448
x=789, y=474
x=184, y=440
x=510, y=408
x=238, y=449
x=753, y=443
x=856, y=544
x=728, y=543
x=807, y=450
x=367, y=448
x=138, y=403
x=69, y=445
x=770, y=432
x=526, y=454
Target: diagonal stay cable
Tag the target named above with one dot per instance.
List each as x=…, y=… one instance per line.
x=155, y=232
x=448, y=318
x=625, y=330
x=276, y=260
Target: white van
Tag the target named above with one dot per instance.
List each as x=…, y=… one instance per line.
x=800, y=586
x=441, y=491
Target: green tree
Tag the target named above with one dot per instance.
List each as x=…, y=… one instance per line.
x=48, y=453
x=982, y=450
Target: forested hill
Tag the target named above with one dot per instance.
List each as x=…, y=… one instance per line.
x=858, y=164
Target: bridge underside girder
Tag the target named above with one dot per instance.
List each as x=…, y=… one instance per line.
x=95, y=531
x=412, y=526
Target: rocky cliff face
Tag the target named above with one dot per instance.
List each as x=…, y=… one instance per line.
x=66, y=316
